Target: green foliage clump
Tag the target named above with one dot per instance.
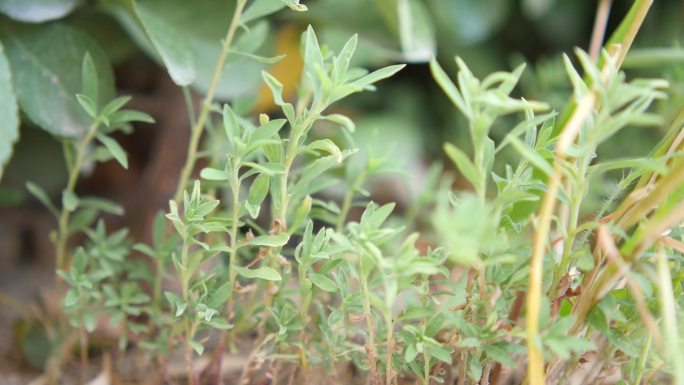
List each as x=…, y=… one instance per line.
x=507, y=276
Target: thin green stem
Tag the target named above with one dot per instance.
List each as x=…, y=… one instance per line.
x=198, y=127
x=74, y=171
x=232, y=261
x=426, y=368
x=573, y=219
x=643, y=357
x=346, y=203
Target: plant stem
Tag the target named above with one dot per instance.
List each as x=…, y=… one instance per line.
x=390, y=346
x=535, y=369
x=624, y=36
x=371, y=332
x=198, y=127
x=232, y=276
x=426, y=368
x=346, y=203
x=573, y=219
x=63, y=230
x=669, y=312
x=83, y=341
x=599, y=31
x=642, y=360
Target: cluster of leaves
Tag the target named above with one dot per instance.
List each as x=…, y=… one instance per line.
x=262, y=245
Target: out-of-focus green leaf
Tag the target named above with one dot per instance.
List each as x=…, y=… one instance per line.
x=467, y=22
x=264, y=272
x=269, y=240
x=416, y=31
x=201, y=41
x=9, y=113
x=47, y=75
x=170, y=43
x=37, y=11
x=261, y=8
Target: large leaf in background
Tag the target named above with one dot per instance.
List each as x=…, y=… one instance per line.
x=202, y=24
x=412, y=24
x=9, y=114
x=36, y=11
x=169, y=42
x=46, y=69
x=407, y=34
x=261, y=8
x=416, y=31
x=466, y=22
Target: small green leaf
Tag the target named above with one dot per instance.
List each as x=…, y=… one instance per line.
x=261, y=8
x=448, y=87
x=69, y=200
x=267, y=130
x=88, y=105
x=440, y=353
x=469, y=342
x=219, y=323
x=89, y=79
x=115, y=105
x=294, y=5
x=258, y=190
x=342, y=121
x=213, y=174
x=258, y=58
x=115, y=149
x=197, y=347
x=269, y=240
x=326, y=145
x=378, y=75
x=410, y=353
x=301, y=214
x=269, y=169
x=264, y=272
x=323, y=282
x=336, y=315
x=532, y=156
x=42, y=196
x=499, y=355
x=464, y=164
x=71, y=298
x=127, y=116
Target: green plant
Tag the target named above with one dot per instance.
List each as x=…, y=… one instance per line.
x=259, y=253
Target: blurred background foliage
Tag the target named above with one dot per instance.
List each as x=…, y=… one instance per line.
x=407, y=115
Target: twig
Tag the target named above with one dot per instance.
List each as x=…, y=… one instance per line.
x=600, y=23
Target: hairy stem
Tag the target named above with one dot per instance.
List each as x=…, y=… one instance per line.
x=232, y=276
x=63, y=230
x=372, y=355
x=198, y=127
x=390, y=346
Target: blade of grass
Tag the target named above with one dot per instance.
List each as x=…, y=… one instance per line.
x=669, y=312
x=624, y=36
